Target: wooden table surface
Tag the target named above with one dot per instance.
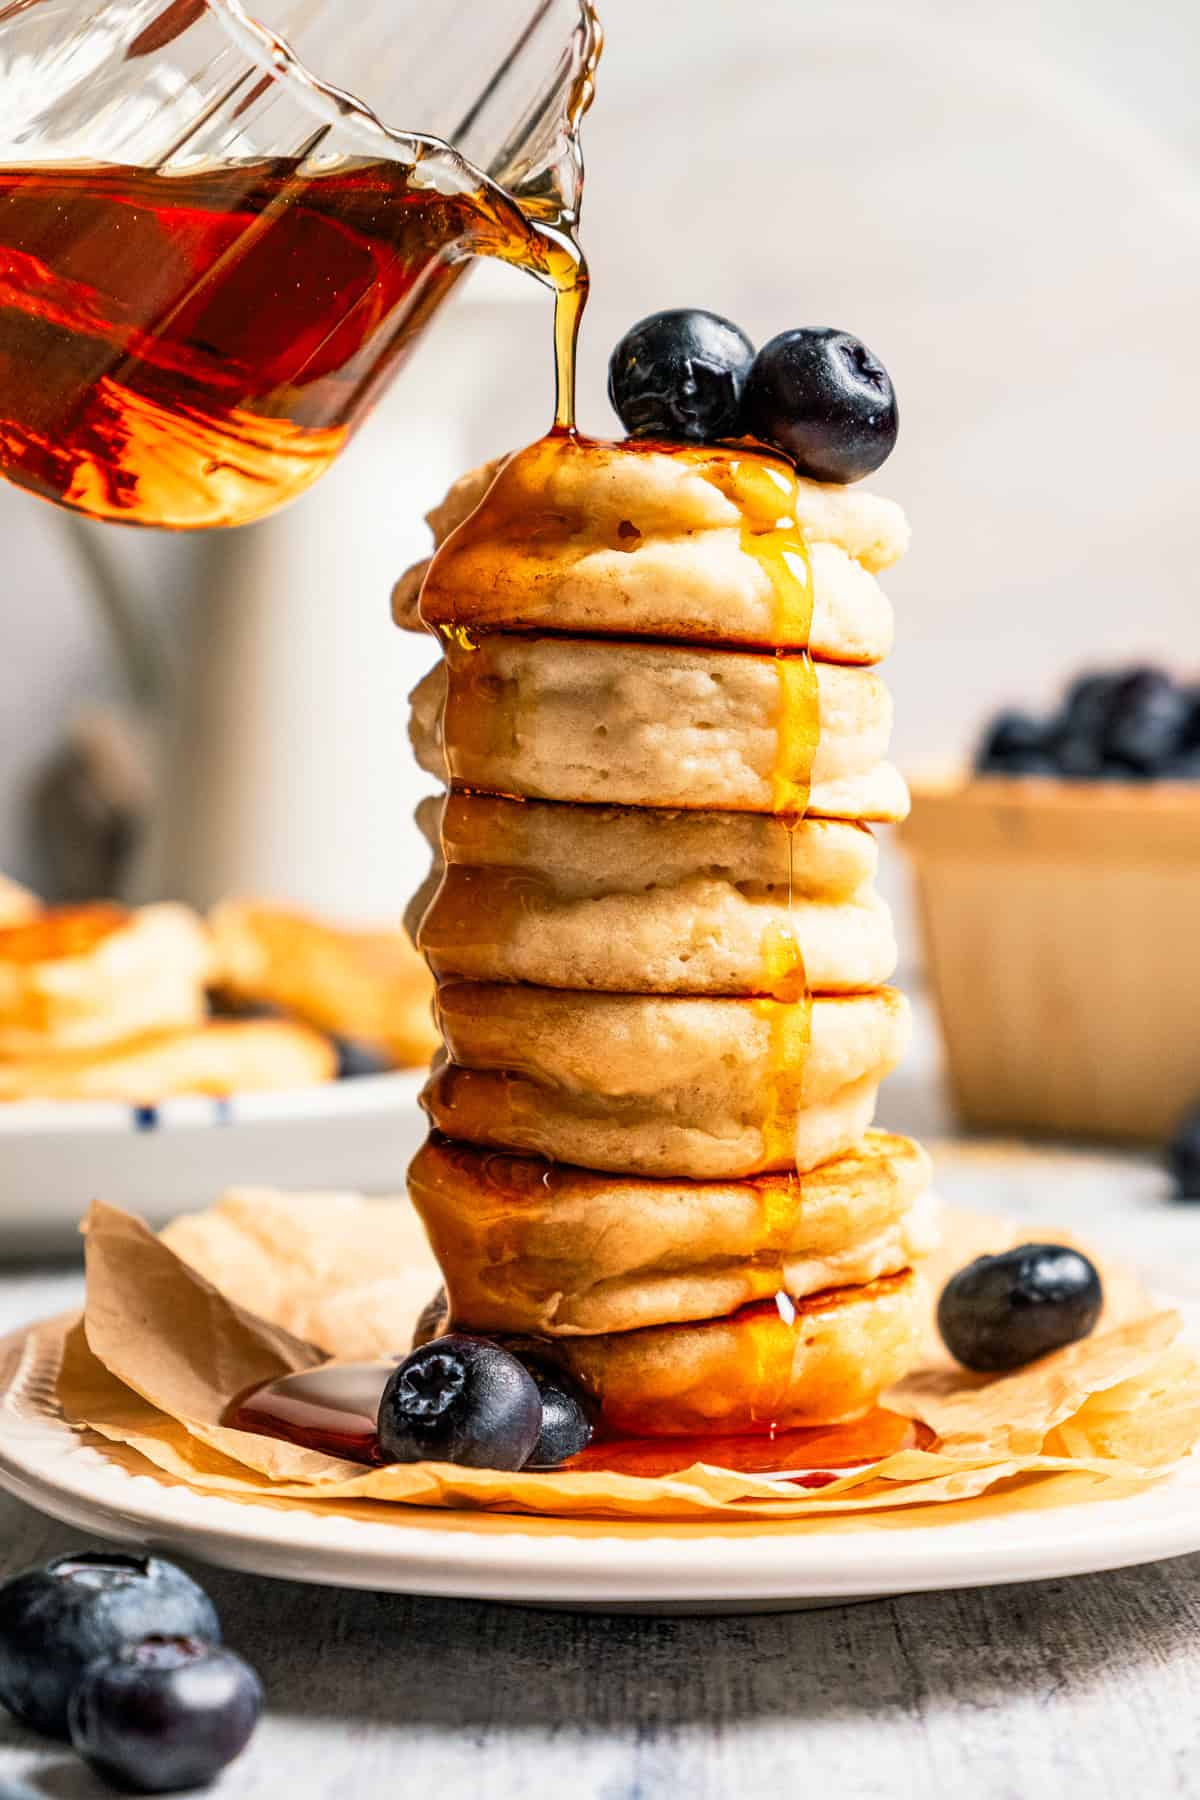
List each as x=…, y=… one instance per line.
x=1080, y=1690
x=1087, y=1688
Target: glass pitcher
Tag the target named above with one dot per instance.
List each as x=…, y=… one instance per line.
x=219, y=236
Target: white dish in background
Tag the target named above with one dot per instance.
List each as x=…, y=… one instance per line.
x=56, y=1157
x=597, y=1565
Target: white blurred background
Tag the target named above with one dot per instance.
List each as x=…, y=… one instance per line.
x=1004, y=202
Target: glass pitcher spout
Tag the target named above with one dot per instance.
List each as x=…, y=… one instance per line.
x=217, y=244
x=521, y=129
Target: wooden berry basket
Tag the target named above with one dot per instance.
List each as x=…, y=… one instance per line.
x=1062, y=934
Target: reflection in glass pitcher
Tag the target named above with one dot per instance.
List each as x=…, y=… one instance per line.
x=211, y=260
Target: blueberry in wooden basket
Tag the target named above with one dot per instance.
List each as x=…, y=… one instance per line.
x=1015, y=744
x=1134, y=724
x=1147, y=720
x=1004, y=1311
x=1183, y=1157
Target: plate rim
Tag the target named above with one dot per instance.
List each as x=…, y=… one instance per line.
x=360, y=1097
x=52, y=1467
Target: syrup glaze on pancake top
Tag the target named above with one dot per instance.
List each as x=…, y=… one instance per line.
x=659, y=722
x=696, y=545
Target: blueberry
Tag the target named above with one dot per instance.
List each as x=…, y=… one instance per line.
x=1184, y=767
x=355, y=1058
x=680, y=374
x=1113, y=771
x=1183, y=1157
x=1013, y=738
x=1001, y=1312
x=1025, y=762
x=462, y=1400
x=1078, y=758
x=1088, y=702
x=165, y=1714
x=566, y=1426
x=822, y=398
x=1148, y=718
x=1075, y=736
x=55, y=1621
x=1191, y=731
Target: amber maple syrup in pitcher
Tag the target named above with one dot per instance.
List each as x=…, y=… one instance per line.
x=191, y=342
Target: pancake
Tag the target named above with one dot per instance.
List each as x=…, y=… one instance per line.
x=628, y=540
x=639, y=724
x=631, y=900
x=224, y=1057
x=636, y=1084
x=369, y=986
x=528, y=1246
x=827, y=1358
x=76, y=978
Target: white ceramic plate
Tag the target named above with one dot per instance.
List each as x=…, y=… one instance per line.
x=642, y=1567
x=56, y=1157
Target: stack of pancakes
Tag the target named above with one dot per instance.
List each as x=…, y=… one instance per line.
x=660, y=955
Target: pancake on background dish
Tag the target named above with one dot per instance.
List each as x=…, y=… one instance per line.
x=105, y=1002
x=367, y=986
x=218, y=1058
x=79, y=978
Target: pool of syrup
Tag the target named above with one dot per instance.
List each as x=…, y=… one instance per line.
x=333, y=1410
